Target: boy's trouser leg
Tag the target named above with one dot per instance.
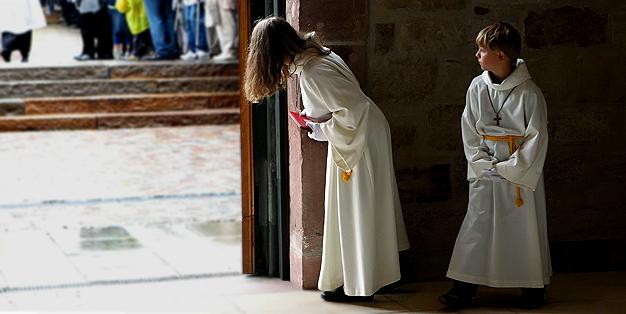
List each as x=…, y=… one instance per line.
x=533, y=298
x=465, y=288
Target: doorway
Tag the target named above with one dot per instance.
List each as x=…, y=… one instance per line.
x=265, y=167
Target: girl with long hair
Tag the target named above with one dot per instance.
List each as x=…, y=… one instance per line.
x=363, y=224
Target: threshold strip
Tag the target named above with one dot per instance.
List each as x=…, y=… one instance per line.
x=129, y=199
x=99, y=283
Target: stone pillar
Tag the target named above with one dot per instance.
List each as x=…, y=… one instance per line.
x=342, y=26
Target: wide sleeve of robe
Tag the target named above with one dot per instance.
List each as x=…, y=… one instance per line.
x=525, y=166
x=476, y=152
x=329, y=84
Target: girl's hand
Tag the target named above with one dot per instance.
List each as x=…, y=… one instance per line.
x=316, y=132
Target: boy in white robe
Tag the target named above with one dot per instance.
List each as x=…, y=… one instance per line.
x=503, y=240
x=363, y=224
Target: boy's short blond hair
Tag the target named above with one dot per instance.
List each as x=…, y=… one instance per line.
x=501, y=36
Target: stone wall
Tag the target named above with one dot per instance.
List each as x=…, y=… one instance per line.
x=415, y=59
x=420, y=61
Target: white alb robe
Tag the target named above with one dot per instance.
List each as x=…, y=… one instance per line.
x=499, y=244
x=20, y=16
x=363, y=224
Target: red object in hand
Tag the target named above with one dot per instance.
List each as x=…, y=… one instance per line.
x=300, y=120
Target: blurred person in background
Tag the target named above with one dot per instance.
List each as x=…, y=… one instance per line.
x=161, y=18
x=137, y=20
x=95, y=30
x=223, y=14
x=122, y=39
x=197, y=47
x=51, y=4
x=17, y=20
x=69, y=12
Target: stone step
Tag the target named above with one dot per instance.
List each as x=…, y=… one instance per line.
x=92, y=87
x=117, y=104
x=119, y=120
x=93, y=70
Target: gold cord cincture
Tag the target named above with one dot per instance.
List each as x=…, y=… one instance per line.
x=512, y=141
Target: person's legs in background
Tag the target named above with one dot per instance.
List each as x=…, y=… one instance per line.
x=69, y=12
x=7, y=45
x=161, y=18
x=202, y=48
x=172, y=44
x=127, y=38
x=189, y=14
x=87, y=33
x=156, y=25
x=51, y=6
x=23, y=44
x=211, y=19
x=119, y=33
x=103, y=33
x=212, y=41
x=195, y=30
x=142, y=44
x=228, y=34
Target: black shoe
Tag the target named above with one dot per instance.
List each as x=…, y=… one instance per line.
x=453, y=300
x=460, y=296
x=83, y=57
x=533, y=298
x=339, y=296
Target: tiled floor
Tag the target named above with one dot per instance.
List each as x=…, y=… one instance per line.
x=569, y=293
x=79, y=207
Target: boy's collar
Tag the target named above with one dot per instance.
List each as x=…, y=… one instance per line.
x=519, y=75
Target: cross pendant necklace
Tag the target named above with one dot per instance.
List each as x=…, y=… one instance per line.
x=498, y=118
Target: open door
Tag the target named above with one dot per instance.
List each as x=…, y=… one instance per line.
x=247, y=166
x=264, y=158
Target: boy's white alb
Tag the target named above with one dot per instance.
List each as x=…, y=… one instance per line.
x=499, y=244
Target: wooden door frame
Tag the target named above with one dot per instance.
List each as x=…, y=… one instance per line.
x=247, y=164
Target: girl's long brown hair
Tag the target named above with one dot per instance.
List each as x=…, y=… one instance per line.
x=273, y=45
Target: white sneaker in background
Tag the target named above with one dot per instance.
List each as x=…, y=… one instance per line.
x=224, y=57
x=188, y=56
x=202, y=55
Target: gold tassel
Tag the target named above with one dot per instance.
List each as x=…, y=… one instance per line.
x=510, y=139
x=518, y=197
x=346, y=176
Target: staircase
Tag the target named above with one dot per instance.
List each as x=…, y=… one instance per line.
x=118, y=95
